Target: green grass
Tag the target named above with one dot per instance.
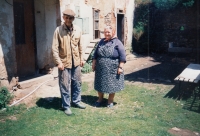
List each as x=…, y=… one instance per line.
x=137, y=112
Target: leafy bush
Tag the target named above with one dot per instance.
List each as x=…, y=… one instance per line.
x=87, y=68
x=138, y=30
x=188, y=3
x=5, y=97
x=166, y=4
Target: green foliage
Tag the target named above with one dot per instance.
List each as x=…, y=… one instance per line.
x=141, y=21
x=188, y=3
x=87, y=68
x=138, y=30
x=138, y=111
x=5, y=97
x=146, y=23
x=166, y=4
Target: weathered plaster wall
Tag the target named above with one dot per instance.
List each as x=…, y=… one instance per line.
x=107, y=8
x=129, y=18
x=46, y=23
x=85, y=11
x=108, y=13
x=7, y=48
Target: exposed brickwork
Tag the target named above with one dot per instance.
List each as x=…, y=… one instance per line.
x=107, y=12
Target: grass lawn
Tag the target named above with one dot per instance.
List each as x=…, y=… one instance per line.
x=138, y=112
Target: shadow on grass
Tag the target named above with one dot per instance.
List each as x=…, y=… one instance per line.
x=186, y=93
x=90, y=100
x=193, y=103
x=50, y=103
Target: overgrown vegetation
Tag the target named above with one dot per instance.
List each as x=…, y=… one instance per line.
x=5, y=97
x=87, y=68
x=167, y=4
x=147, y=30
x=138, y=112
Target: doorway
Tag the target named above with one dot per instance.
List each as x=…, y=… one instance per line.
x=120, y=27
x=24, y=31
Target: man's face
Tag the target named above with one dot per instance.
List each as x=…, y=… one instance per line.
x=68, y=20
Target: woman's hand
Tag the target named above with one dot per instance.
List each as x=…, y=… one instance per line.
x=120, y=71
x=120, y=68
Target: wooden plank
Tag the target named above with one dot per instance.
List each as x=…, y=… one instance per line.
x=191, y=72
x=191, y=80
x=177, y=78
x=187, y=80
x=181, y=79
x=91, y=45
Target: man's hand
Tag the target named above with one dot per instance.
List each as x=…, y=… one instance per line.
x=82, y=63
x=60, y=66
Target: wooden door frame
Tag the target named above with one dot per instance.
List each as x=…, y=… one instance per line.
x=123, y=38
x=33, y=36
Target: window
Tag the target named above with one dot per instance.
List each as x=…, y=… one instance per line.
x=83, y=23
x=96, y=24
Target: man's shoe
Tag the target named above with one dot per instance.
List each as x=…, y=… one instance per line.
x=79, y=105
x=68, y=111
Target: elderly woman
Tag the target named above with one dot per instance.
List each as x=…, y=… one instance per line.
x=108, y=61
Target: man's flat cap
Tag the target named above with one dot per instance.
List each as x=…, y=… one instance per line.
x=69, y=12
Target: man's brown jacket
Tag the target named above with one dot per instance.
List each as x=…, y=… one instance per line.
x=66, y=45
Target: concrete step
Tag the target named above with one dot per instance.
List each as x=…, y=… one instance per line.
x=40, y=79
x=88, y=50
x=30, y=82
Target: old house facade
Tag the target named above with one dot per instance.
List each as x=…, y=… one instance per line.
x=27, y=27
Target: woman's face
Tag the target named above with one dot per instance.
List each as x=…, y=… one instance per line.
x=108, y=33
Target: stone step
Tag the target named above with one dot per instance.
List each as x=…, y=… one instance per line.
x=30, y=82
x=88, y=50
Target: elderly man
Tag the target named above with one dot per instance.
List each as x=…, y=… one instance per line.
x=68, y=56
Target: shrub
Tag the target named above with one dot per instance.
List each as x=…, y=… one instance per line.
x=87, y=68
x=5, y=97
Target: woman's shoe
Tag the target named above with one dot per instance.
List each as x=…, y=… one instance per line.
x=97, y=104
x=110, y=105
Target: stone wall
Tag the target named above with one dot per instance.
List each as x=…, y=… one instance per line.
x=179, y=25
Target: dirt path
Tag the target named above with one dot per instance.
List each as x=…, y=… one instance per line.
x=143, y=71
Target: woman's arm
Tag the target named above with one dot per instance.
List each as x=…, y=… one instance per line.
x=93, y=64
x=122, y=56
x=120, y=67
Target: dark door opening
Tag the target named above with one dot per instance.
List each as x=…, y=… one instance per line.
x=24, y=37
x=120, y=27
